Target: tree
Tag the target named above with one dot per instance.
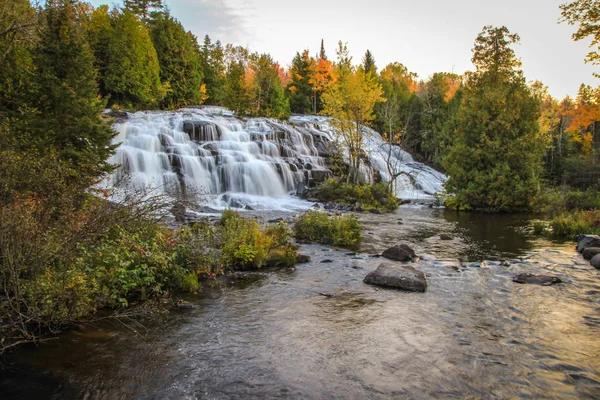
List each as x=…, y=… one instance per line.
x=368, y=63
x=142, y=8
x=237, y=96
x=212, y=58
x=18, y=36
x=585, y=13
x=322, y=54
x=133, y=73
x=179, y=59
x=300, y=90
x=494, y=161
x=349, y=101
x=267, y=93
x=67, y=102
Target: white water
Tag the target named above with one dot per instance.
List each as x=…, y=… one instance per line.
x=253, y=163
x=417, y=181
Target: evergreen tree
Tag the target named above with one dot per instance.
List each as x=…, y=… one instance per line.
x=322, y=54
x=368, y=63
x=212, y=57
x=299, y=90
x=100, y=34
x=67, y=101
x=236, y=91
x=142, y=8
x=18, y=36
x=132, y=74
x=179, y=59
x=494, y=162
x=268, y=95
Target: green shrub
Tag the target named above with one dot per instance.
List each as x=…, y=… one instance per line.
x=315, y=226
x=575, y=223
x=235, y=243
x=375, y=196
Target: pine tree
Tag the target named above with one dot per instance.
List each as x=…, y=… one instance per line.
x=179, y=59
x=142, y=8
x=212, y=57
x=299, y=90
x=236, y=92
x=322, y=54
x=67, y=101
x=18, y=36
x=132, y=75
x=368, y=63
x=494, y=162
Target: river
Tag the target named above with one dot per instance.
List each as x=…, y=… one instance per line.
x=318, y=332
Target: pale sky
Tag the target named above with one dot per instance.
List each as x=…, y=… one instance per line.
x=425, y=35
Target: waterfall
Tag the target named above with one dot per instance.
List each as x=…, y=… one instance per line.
x=252, y=163
x=415, y=181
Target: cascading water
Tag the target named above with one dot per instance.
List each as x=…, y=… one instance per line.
x=252, y=163
x=232, y=162
x=413, y=180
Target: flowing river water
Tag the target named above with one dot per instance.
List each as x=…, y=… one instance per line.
x=318, y=332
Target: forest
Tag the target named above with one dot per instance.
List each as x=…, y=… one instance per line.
x=504, y=142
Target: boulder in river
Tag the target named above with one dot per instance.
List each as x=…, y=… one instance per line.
x=400, y=252
x=302, y=258
x=544, y=280
x=585, y=241
x=402, y=277
x=595, y=261
x=590, y=252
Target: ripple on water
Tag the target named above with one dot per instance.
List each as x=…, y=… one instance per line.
x=319, y=332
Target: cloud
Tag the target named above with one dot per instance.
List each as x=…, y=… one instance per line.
x=211, y=17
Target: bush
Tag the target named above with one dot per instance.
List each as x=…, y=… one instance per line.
x=560, y=200
x=236, y=243
x=315, y=226
x=375, y=196
x=575, y=223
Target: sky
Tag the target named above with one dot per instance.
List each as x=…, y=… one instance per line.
x=426, y=36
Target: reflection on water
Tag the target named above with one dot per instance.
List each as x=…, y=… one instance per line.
x=319, y=332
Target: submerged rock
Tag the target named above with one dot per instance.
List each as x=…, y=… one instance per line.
x=302, y=259
x=400, y=252
x=445, y=236
x=590, y=252
x=544, y=280
x=402, y=277
x=585, y=241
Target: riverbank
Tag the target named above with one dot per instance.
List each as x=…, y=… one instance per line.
x=318, y=331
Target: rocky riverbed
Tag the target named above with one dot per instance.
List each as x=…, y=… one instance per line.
x=318, y=331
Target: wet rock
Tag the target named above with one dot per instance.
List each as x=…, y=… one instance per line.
x=595, y=261
x=400, y=252
x=400, y=223
x=375, y=211
x=302, y=259
x=327, y=241
x=276, y=221
x=319, y=175
x=402, y=277
x=184, y=305
x=445, y=236
x=358, y=208
x=330, y=205
x=585, y=241
x=590, y=252
x=326, y=261
x=301, y=189
x=544, y=280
